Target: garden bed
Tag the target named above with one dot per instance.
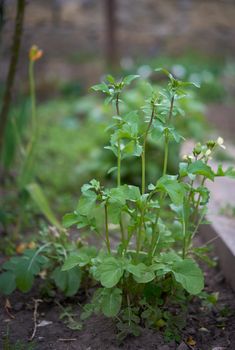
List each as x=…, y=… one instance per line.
x=207, y=328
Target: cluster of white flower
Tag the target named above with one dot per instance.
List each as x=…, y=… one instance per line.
x=204, y=151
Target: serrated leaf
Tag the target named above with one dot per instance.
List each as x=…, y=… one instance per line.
x=173, y=188
x=189, y=275
x=200, y=168
x=111, y=302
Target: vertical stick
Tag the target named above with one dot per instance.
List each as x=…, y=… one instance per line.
x=111, y=45
x=12, y=69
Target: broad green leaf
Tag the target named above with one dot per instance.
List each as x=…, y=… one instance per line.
x=24, y=277
x=67, y=281
x=141, y=272
x=189, y=275
x=79, y=259
x=132, y=193
x=173, y=188
x=111, y=302
x=70, y=219
x=7, y=282
x=40, y=200
x=110, y=271
x=200, y=168
x=114, y=212
x=86, y=203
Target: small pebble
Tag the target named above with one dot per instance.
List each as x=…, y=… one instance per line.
x=18, y=306
x=164, y=347
x=182, y=346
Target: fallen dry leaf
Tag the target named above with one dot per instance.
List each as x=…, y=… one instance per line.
x=190, y=341
x=8, y=307
x=21, y=248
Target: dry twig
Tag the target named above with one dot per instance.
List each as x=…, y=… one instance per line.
x=36, y=303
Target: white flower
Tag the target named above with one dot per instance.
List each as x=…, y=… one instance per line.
x=191, y=157
x=220, y=142
x=208, y=152
x=185, y=157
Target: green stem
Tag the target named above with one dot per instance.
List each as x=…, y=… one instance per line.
x=119, y=165
x=119, y=148
x=138, y=237
x=144, y=151
x=107, y=229
x=167, y=137
x=198, y=201
x=32, y=94
x=185, y=240
x=166, y=154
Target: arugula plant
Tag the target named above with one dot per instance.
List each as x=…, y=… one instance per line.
x=153, y=267
x=150, y=275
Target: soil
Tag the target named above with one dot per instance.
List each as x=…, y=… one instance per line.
x=211, y=329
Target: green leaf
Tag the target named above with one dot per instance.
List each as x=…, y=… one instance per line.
x=173, y=188
x=101, y=87
x=114, y=212
x=132, y=193
x=40, y=200
x=24, y=277
x=111, y=170
x=111, y=302
x=70, y=219
x=67, y=281
x=189, y=275
x=110, y=79
x=79, y=259
x=200, y=168
x=110, y=271
x=129, y=78
x=141, y=272
x=7, y=282
x=86, y=203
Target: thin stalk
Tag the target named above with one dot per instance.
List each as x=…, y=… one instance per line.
x=138, y=237
x=107, y=229
x=167, y=137
x=144, y=151
x=119, y=165
x=185, y=240
x=198, y=201
x=119, y=148
x=166, y=154
x=29, y=155
x=119, y=171
x=32, y=94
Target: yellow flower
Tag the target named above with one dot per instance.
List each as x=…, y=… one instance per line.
x=35, y=53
